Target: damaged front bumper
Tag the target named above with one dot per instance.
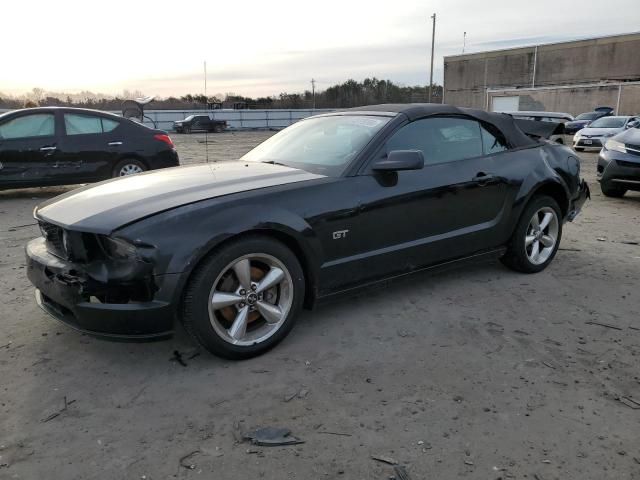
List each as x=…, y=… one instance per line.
x=578, y=201
x=69, y=294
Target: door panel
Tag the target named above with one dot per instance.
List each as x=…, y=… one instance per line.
x=28, y=150
x=86, y=153
x=449, y=209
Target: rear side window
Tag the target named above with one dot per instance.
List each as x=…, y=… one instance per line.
x=87, y=124
x=440, y=139
x=492, y=142
x=27, y=126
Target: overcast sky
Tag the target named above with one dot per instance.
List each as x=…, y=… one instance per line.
x=270, y=46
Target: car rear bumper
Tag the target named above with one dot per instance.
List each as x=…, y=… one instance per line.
x=575, y=206
x=63, y=291
x=619, y=169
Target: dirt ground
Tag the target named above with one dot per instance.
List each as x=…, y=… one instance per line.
x=478, y=373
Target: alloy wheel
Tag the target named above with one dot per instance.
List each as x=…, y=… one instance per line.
x=542, y=235
x=250, y=300
x=129, y=169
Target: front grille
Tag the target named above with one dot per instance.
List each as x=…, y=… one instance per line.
x=53, y=234
x=622, y=163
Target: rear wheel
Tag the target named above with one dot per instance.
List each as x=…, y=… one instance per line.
x=218, y=129
x=610, y=191
x=537, y=236
x=245, y=297
x=128, y=166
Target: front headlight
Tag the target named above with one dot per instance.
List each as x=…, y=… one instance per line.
x=118, y=248
x=615, y=145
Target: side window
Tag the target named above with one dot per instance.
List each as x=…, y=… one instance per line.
x=441, y=139
x=109, y=125
x=87, y=124
x=82, y=124
x=492, y=143
x=36, y=125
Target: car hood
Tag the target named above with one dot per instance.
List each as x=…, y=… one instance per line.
x=576, y=123
x=630, y=136
x=106, y=206
x=596, y=132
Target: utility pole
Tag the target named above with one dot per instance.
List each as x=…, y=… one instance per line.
x=313, y=91
x=206, y=99
x=433, y=39
x=464, y=41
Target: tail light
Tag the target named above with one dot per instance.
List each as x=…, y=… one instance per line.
x=164, y=138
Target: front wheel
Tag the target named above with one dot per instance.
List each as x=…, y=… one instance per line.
x=244, y=298
x=536, y=238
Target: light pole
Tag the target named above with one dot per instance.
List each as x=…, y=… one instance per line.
x=313, y=92
x=433, y=39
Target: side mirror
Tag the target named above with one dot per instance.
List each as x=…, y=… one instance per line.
x=400, y=160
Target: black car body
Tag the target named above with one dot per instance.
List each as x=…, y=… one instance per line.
x=65, y=146
x=122, y=258
x=585, y=119
x=619, y=164
x=201, y=123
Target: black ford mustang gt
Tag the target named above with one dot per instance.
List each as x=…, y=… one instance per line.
x=234, y=250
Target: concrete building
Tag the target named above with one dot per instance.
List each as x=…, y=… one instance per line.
x=571, y=77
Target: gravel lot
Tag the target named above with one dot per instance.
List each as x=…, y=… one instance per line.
x=474, y=373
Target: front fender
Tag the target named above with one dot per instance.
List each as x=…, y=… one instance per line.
x=183, y=236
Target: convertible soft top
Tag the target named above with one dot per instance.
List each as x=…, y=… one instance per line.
x=516, y=134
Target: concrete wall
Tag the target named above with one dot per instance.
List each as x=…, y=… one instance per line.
x=624, y=97
x=467, y=77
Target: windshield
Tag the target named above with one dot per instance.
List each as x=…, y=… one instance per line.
x=608, y=122
x=323, y=145
x=189, y=118
x=587, y=116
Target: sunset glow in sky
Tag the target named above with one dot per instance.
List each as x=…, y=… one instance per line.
x=266, y=47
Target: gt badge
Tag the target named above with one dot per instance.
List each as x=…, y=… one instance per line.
x=340, y=234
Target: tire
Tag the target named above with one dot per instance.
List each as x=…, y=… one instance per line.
x=217, y=129
x=129, y=165
x=216, y=329
x=579, y=149
x=613, y=192
x=186, y=130
x=520, y=254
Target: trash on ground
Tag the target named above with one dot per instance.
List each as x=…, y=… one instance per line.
x=272, y=437
x=385, y=459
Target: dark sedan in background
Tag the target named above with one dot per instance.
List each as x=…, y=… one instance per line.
x=334, y=202
x=585, y=119
x=619, y=164
x=65, y=146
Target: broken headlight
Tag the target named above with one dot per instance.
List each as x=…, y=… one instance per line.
x=118, y=248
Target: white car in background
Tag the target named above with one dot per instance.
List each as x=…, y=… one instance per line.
x=600, y=130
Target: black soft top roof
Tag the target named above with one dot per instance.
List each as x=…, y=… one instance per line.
x=414, y=111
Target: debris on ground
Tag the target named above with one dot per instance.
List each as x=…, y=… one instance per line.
x=340, y=434
x=385, y=459
x=188, y=456
x=401, y=473
x=272, y=437
x=629, y=402
x=606, y=325
x=177, y=357
x=59, y=412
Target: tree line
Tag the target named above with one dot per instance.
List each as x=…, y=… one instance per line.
x=351, y=93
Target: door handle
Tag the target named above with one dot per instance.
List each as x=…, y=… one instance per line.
x=114, y=144
x=482, y=178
